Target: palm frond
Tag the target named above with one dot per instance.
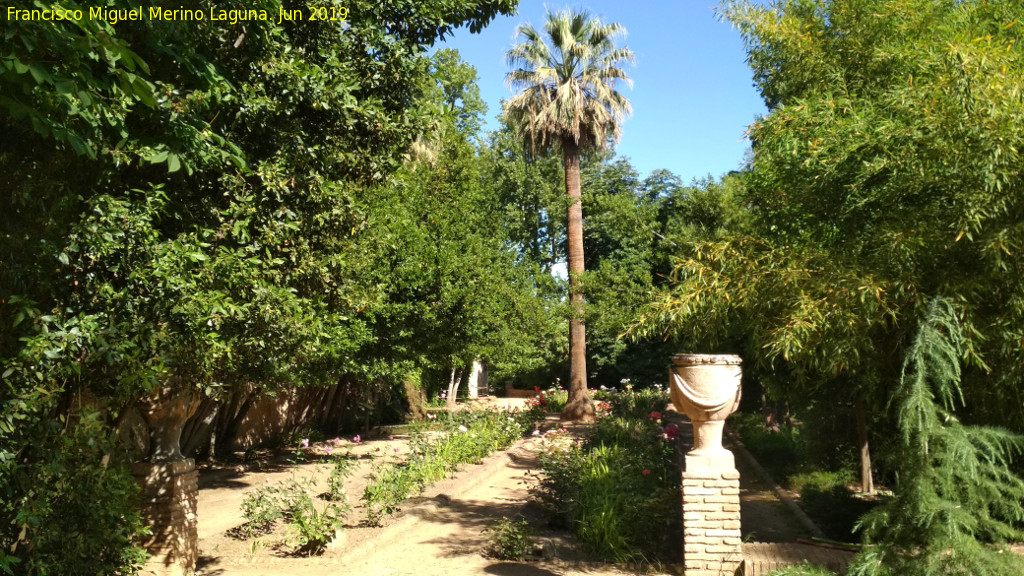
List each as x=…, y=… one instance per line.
x=566, y=78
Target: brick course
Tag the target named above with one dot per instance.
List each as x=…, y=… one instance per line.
x=711, y=523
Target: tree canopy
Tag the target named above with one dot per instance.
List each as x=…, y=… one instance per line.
x=183, y=206
x=886, y=178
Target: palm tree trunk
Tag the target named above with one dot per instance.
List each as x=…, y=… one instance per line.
x=579, y=406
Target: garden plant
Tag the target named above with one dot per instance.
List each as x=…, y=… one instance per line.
x=439, y=447
x=618, y=490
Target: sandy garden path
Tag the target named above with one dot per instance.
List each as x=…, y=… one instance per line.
x=438, y=533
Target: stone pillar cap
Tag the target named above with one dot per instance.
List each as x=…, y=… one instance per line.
x=699, y=359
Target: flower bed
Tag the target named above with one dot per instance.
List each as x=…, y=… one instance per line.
x=617, y=489
x=439, y=446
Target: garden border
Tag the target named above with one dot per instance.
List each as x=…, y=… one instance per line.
x=779, y=491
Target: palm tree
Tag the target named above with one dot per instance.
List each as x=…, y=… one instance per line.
x=566, y=100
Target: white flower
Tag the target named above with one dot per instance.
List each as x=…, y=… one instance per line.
x=462, y=429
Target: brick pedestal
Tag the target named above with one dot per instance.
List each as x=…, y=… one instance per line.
x=711, y=523
x=170, y=491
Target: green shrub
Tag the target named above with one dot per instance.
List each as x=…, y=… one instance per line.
x=956, y=502
x=637, y=405
x=553, y=399
x=311, y=529
x=619, y=490
x=311, y=526
x=437, y=451
x=69, y=506
x=781, y=452
x=261, y=508
x=510, y=540
x=820, y=480
x=803, y=570
x=340, y=471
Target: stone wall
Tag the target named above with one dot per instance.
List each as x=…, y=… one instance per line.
x=512, y=392
x=271, y=418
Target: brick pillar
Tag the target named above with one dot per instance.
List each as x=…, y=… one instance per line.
x=170, y=492
x=712, y=544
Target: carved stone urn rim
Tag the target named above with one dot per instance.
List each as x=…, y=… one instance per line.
x=706, y=359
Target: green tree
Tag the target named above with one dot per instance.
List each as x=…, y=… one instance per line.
x=530, y=195
x=178, y=206
x=457, y=291
x=568, y=101
x=957, y=503
x=886, y=174
x=621, y=233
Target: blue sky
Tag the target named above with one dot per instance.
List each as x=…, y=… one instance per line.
x=692, y=94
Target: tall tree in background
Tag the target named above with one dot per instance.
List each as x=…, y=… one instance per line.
x=567, y=101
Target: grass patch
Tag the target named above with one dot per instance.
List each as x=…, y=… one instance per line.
x=826, y=498
x=824, y=494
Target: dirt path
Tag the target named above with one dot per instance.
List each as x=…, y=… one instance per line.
x=439, y=533
x=763, y=517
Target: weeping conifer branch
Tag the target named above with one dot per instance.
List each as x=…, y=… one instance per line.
x=956, y=501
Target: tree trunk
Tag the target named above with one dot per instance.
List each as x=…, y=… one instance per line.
x=579, y=406
x=453, y=388
x=195, y=437
x=867, y=482
x=340, y=405
x=229, y=419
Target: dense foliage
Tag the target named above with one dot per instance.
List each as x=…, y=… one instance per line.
x=885, y=175
x=885, y=178
x=956, y=501
x=181, y=211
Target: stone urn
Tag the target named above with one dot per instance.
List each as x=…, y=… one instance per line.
x=169, y=495
x=706, y=387
x=165, y=413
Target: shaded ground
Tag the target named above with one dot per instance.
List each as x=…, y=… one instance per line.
x=763, y=518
